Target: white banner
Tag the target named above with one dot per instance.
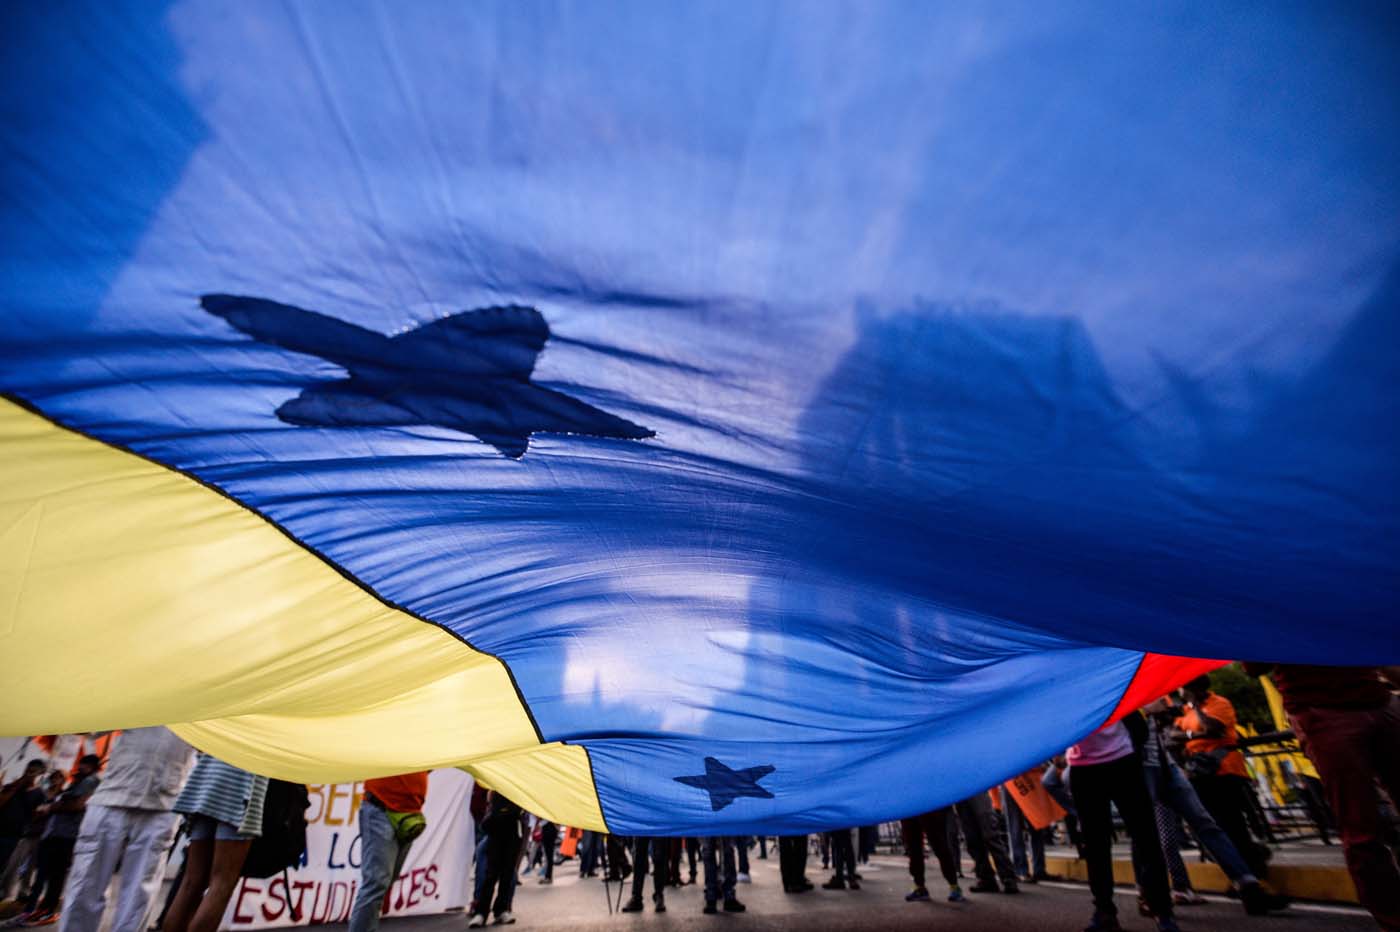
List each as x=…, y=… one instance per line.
x=435, y=877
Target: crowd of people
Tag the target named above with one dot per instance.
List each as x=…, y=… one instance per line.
x=1169, y=771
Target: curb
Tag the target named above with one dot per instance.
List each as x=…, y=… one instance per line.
x=1300, y=881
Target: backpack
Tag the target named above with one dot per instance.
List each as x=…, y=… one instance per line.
x=283, y=839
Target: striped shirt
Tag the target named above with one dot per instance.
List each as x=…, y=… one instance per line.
x=223, y=792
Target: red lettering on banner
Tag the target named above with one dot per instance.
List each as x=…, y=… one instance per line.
x=415, y=886
x=273, y=899
x=244, y=888
x=430, y=884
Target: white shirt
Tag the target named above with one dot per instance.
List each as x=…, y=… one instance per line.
x=145, y=770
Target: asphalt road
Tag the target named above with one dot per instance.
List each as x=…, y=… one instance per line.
x=580, y=906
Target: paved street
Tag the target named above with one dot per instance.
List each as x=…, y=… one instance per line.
x=580, y=906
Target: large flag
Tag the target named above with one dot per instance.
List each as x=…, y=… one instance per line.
x=690, y=417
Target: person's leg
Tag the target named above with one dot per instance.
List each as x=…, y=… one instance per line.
x=551, y=839
x=935, y=825
x=149, y=839
x=41, y=873
x=1169, y=832
x=224, y=873
x=1176, y=793
x=505, y=895
x=969, y=820
x=741, y=851
x=1218, y=796
x=379, y=851
x=994, y=840
x=95, y=855
x=1128, y=790
x=1089, y=786
x=199, y=860
x=640, y=846
x=1346, y=746
x=1015, y=833
x=707, y=857
x=763, y=847
x=1038, y=853
x=659, y=850
x=692, y=851
x=62, y=860
x=914, y=850
x=730, y=870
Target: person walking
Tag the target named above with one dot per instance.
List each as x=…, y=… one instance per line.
x=1106, y=770
x=1348, y=723
x=933, y=826
x=985, y=838
x=501, y=826
x=843, y=862
x=391, y=819
x=659, y=850
x=130, y=823
x=717, y=854
x=224, y=809
x=792, y=863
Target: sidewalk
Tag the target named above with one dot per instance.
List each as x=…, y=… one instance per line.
x=1303, y=870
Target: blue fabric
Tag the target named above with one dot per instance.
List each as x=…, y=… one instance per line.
x=884, y=379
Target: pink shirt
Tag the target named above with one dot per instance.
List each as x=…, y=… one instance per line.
x=1109, y=743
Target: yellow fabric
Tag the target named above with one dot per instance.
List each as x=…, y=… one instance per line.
x=132, y=595
x=1281, y=723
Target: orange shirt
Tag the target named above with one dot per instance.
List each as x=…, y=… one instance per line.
x=1220, y=709
x=404, y=793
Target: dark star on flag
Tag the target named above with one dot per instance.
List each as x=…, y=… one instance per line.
x=726, y=785
x=468, y=372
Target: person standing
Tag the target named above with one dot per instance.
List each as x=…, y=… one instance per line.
x=1105, y=769
x=223, y=806
x=502, y=828
x=391, y=818
x=843, y=862
x=985, y=837
x=130, y=823
x=1216, y=767
x=1018, y=827
x=1348, y=723
x=792, y=863
x=933, y=826
x=718, y=852
x=549, y=837
x=55, y=852
x=18, y=800
x=659, y=850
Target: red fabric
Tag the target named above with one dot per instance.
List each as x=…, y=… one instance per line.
x=1157, y=675
x=404, y=793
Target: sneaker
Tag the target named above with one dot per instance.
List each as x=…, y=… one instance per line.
x=955, y=895
x=835, y=883
x=710, y=908
x=476, y=921
x=732, y=905
x=1010, y=888
x=744, y=878
x=505, y=919
x=546, y=881
x=1167, y=924
x=660, y=902
x=1041, y=876
x=1187, y=898
x=40, y=918
x=634, y=905
x=918, y=895
x=1258, y=901
x=855, y=884
x=985, y=886
x=1026, y=878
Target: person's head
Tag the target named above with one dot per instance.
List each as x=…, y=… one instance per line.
x=1198, y=689
x=34, y=769
x=89, y=765
x=55, y=781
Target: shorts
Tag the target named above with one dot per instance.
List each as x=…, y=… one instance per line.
x=203, y=828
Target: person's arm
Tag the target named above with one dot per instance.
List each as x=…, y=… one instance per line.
x=1210, y=727
x=1392, y=674
x=9, y=791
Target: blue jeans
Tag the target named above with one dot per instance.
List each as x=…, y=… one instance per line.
x=1017, y=827
x=1169, y=787
x=1054, y=783
x=715, y=886
x=381, y=859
